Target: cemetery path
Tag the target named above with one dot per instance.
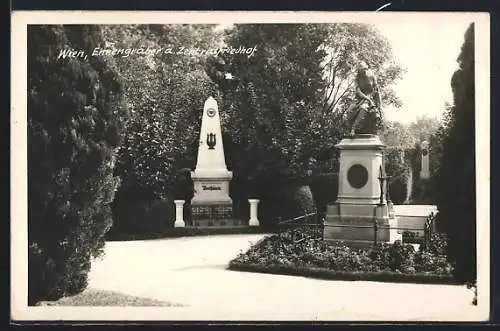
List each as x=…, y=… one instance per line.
x=192, y=271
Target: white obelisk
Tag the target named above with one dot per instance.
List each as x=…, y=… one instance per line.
x=211, y=204
x=211, y=161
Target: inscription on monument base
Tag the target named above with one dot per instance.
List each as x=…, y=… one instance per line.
x=213, y=215
x=211, y=187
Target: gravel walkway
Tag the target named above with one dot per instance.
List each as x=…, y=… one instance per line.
x=191, y=271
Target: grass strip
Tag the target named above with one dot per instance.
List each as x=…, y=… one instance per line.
x=92, y=297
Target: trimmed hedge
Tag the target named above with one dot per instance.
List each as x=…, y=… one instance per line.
x=324, y=273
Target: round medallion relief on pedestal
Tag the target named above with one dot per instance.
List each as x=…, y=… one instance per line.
x=357, y=176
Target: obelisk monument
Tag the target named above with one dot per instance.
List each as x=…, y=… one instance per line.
x=211, y=204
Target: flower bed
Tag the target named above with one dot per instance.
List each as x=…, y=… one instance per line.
x=301, y=251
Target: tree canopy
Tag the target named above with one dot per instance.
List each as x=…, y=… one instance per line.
x=165, y=93
x=289, y=100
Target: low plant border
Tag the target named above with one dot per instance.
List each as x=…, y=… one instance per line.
x=323, y=273
x=187, y=232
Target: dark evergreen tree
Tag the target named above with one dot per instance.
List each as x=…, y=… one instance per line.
x=74, y=128
x=456, y=184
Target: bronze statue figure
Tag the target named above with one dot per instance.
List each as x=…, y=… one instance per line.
x=367, y=95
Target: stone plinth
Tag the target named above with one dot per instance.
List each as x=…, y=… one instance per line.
x=413, y=217
x=254, y=221
x=179, y=214
x=360, y=203
x=211, y=204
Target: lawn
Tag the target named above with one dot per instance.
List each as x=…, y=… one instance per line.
x=92, y=297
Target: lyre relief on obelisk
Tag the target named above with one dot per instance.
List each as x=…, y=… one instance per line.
x=211, y=204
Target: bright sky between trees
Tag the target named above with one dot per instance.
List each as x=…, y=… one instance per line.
x=428, y=48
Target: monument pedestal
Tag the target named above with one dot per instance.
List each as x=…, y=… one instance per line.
x=361, y=214
x=211, y=204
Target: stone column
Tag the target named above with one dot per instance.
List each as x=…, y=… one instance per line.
x=179, y=214
x=254, y=221
x=424, y=172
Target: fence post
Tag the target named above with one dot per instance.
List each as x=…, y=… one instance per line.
x=279, y=228
x=375, y=231
x=322, y=225
x=427, y=230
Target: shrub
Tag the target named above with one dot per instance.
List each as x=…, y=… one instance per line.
x=75, y=122
x=324, y=188
x=435, y=243
x=398, y=190
x=399, y=176
x=395, y=257
x=283, y=202
x=423, y=192
x=144, y=217
x=425, y=261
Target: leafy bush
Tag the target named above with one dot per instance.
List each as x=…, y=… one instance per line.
x=398, y=171
x=75, y=122
x=283, y=203
x=165, y=95
x=140, y=216
x=423, y=192
x=425, y=261
x=398, y=189
x=395, y=257
x=324, y=188
x=435, y=243
x=303, y=247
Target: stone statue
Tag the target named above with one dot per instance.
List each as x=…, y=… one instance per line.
x=367, y=95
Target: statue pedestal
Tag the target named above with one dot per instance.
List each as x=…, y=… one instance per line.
x=361, y=213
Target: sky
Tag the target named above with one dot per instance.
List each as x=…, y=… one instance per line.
x=428, y=49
